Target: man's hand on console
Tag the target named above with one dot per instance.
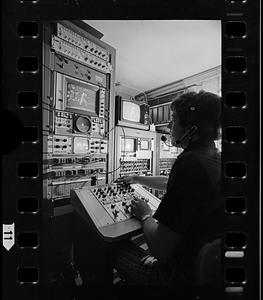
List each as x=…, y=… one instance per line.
x=140, y=208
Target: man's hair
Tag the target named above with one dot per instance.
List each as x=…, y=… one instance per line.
x=202, y=109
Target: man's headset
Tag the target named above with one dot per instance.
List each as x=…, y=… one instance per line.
x=188, y=134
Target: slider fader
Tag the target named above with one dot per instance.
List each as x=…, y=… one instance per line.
x=107, y=208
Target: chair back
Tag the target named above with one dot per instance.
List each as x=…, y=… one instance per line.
x=208, y=267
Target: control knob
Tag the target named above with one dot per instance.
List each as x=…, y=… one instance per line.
x=115, y=212
x=126, y=207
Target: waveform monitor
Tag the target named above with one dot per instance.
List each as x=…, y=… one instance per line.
x=76, y=95
x=80, y=97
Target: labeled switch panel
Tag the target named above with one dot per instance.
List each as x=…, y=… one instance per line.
x=108, y=206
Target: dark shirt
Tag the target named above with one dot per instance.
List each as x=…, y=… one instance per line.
x=192, y=205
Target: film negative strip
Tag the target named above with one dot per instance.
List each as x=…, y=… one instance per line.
x=29, y=227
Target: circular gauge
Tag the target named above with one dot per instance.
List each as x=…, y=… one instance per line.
x=82, y=124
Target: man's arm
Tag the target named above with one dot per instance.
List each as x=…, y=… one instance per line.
x=154, y=182
x=161, y=240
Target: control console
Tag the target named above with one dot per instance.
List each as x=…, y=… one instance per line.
x=107, y=208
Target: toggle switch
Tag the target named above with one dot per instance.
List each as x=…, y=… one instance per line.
x=115, y=212
x=127, y=209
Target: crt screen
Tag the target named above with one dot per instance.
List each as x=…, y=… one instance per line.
x=82, y=98
x=131, y=111
x=81, y=145
x=145, y=145
x=129, y=145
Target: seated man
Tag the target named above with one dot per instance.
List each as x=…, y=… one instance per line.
x=191, y=211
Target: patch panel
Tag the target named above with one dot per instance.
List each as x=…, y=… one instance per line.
x=65, y=48
x=82, y=42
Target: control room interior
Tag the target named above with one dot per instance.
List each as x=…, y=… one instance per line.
x=106, y=118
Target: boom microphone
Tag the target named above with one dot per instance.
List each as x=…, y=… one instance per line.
x=164, y=139
x=187, y=134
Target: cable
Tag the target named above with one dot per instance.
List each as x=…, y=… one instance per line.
x=150, y=118
x=112, y=171
x=188, y=134
x=124, y=142
x=110, y=130
x=120, y=160
x=50, y=108
x=51, y=70
x=43, y=102
x=123, y=155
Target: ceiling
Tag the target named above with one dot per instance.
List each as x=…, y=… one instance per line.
x=152, y=53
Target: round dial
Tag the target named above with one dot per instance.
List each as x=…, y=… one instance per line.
x=83, y=124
